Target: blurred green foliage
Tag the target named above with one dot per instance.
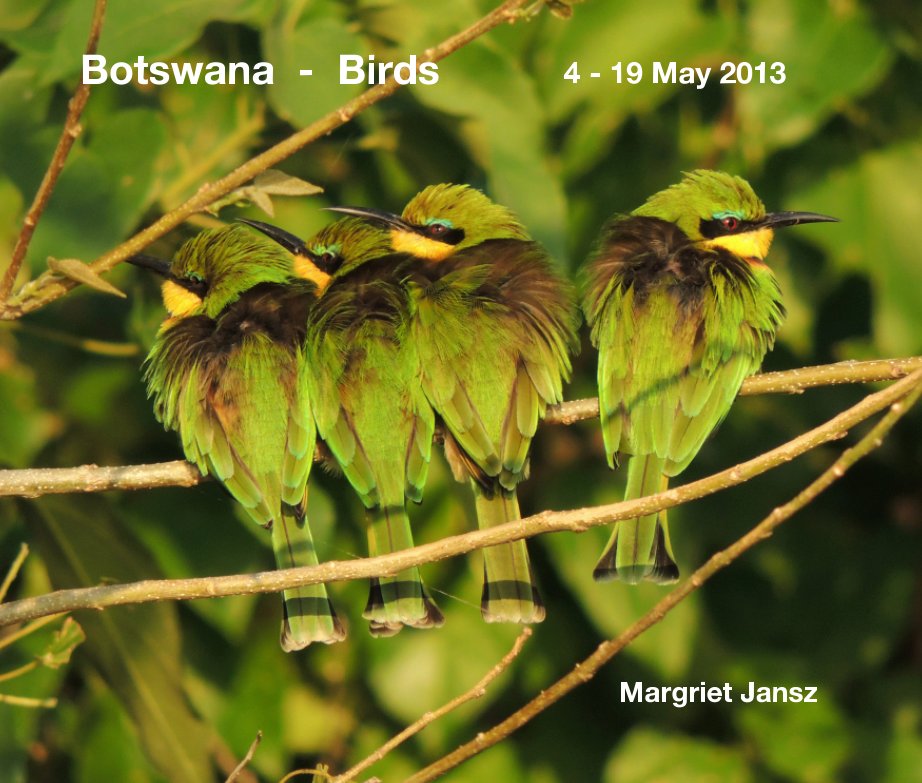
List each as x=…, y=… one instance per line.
x=158, y=692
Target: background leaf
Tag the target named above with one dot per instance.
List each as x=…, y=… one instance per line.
x=135, y=649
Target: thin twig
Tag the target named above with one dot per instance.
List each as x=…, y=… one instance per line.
x=26, y=701
x=14, y=673
x=35, y=482
x=475, y=692
x=49, y=287
x=88, y=344
x=577, y=521
x=41, y=622
x=69, y=134
x=587, y=669
x=14, y=571
x=246, y=759
x=318, y=773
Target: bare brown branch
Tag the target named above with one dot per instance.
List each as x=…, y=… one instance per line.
x=35, y=482
x=69, y=134
x=584, y=671
x=577, y=521
x=49, y=287
x=783, y=382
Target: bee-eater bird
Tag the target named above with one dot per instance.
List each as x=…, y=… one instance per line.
x=226, y=372
x=682, y=307
x=369, y=408
x=494, y=324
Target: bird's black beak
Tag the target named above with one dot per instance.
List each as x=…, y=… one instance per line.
x=163, y=268
x=290, y=242
x=782, y=219
x=151, y=263
x=388, y=219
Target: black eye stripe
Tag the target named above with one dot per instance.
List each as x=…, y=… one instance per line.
x=198, y=287
x=327, y=262
x=441, y=233
x=715, y=228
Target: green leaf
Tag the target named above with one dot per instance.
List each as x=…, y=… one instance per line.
x=269, y=183
x=803, y=742
x=76, y=270
x=62, y=645
x=314, y=42
x=503, y=131
x=154, y=31
x=879, y=202
x=416, y=671
x=650, y=756
x=19, y=14
x=24, y=148
x=25, y=427
x=404, y=28
x=104, y=188
x=135, y=649
x=831, y=53
x=109, y=745
x=657, y=30
x=667, y=647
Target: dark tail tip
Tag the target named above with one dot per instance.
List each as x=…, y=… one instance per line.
x=662, y=571
x=511, y=601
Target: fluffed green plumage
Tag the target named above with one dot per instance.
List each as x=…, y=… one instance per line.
x=494, y=325
x=682, y=309
x=228, y=375
x=369, y=409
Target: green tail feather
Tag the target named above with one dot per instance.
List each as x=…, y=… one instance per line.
x=308, y=614
x=509, y=591
x=396, y=601
x=640, y=548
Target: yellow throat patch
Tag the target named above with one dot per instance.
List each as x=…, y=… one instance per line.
x=417, y=245
x=179, y=301
x=752, y=245
x=305, y=269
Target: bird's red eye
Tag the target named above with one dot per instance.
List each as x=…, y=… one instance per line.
x=436, y=229
x=730, y=223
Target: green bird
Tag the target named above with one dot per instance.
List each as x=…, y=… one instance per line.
x=682, y=307
x=227, y=373
x=494, y=325
x=370, y=411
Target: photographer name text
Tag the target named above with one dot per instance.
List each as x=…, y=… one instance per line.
x=680, y=696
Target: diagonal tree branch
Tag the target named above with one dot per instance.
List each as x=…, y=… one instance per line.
x=475, y=692
x=49, y=287
x=35, y=482
x=69, y=134
x=577, y=521
x=584, y=671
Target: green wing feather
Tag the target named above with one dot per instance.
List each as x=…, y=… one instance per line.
x=243, y=416
x=378, y=425
x=495, y=327
x=671, y=362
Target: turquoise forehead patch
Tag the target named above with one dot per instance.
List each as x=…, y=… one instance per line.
x=319, y=250
x=440, y=221
x=728, y=213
